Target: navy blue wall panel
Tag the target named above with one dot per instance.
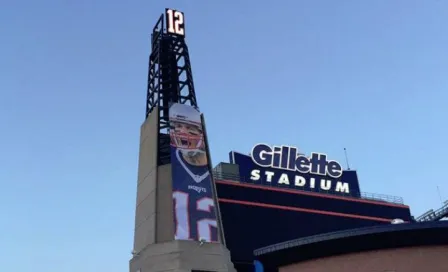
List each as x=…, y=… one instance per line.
x=364, y=208
x=248, y=227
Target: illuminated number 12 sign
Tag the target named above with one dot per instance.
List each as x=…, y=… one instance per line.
x=175, y=22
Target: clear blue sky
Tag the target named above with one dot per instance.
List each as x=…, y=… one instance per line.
x=321, y=75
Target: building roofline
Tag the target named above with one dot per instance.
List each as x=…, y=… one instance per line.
x=354, y=240
x=309, y=193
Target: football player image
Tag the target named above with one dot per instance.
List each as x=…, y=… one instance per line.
x=188, y=139
x=193, y=202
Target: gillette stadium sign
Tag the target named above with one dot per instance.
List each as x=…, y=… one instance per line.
x=282, y=166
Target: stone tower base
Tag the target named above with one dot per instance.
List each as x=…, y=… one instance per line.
x=182, y=256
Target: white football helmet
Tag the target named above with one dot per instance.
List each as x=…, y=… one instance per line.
x=186, y=129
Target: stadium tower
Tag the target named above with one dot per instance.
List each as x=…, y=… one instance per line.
x=161, y=242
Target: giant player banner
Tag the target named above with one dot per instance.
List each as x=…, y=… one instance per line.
x=283, y=166
x=193, y=202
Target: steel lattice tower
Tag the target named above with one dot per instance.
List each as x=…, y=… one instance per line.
x=170, y=80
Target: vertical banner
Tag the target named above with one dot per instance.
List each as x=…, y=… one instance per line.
x=193, y=203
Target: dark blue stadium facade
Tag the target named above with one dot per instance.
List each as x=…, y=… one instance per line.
x=257, y=214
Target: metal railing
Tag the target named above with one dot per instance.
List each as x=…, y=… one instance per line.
x=364, y=195
x=382, y=197
x=434, y=215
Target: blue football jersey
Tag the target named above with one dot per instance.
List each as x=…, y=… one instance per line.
x=193, y=202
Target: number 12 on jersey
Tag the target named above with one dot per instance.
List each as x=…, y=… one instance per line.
x=194, y=219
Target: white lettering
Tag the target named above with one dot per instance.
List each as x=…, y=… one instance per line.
x=262, y=154
x=255, y=175
x=312, y=183
x=197, y=188
x=269, y=175
x=342, y=187
x=325, y=184
x=299, y=181
x=287, y=158
x=284, y=179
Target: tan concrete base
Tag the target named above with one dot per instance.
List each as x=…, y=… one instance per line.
x=182, y=256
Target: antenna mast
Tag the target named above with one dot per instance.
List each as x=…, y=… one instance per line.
x=346, y=158
x=440, y=196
